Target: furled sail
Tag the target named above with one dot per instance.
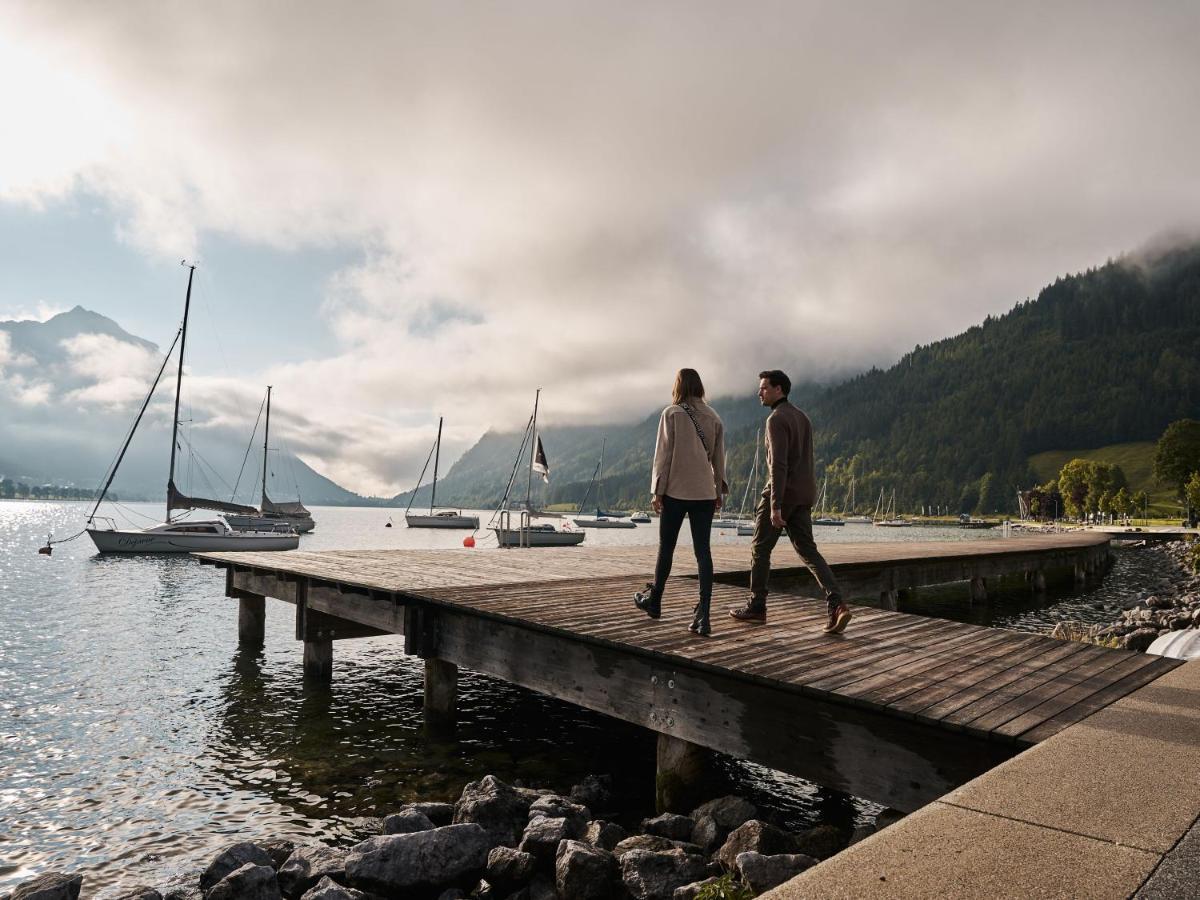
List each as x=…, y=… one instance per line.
x=287, y=508
x=176, y=500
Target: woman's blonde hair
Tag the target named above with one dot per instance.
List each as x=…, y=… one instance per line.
x=688, y=386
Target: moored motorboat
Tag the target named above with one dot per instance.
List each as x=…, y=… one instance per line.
x=190, y=537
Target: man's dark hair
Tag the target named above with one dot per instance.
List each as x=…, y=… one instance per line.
x=777, y=379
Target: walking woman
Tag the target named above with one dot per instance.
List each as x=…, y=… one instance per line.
x=688, y=480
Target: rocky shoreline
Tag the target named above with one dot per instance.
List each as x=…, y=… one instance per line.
x=505, y=842
x=1172, y=603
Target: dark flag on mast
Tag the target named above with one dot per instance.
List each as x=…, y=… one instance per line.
x=539, y=462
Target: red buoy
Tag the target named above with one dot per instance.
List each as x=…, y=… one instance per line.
x=469, y=540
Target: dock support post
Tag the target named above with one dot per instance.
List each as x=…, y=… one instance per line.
x=888, y=599
x=252, y=620
x=441, y=695
x=1039, y=581
x=318, y=660
x=681, y=773
x=1081, y=573
x=978, y=589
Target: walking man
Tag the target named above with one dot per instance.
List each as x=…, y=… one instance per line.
x=787, y=501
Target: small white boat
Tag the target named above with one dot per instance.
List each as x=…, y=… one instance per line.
x=821, y=518
x=538, y=536
x=445, y=518
x=190, y=537
x=745, y=529
x=889, y=518
x=725, y=523
x=603, y=522
x=640, y=518
x=602, y=519
x=436, y=518
x=859, y=520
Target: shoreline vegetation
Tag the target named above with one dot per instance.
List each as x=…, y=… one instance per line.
x=507, y=842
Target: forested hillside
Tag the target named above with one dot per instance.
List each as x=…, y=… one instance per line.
x=1104, y=357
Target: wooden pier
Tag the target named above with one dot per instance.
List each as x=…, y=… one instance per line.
x=899, y=709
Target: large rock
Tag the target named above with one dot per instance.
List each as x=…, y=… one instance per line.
x=584, y=872
x=51, y=886
x=762, y=873
x=232, y=858
x=328, y=889
x=509, y=870
x=757, y=837
x=650, y=842
x=821, y=842
x=690, y=891
x=183, y=886
x=669, y=825
x=605, y=835
x=594, y=792
x=406, y=822
x=655, y=876
x=708, y=835
x=138, y=893
x=552, y=806
x=1139, y=639
x=422, y=860
x=249, y=882
x=728, y=812
x=309, y=864
x=500, y=809
x=542, y=836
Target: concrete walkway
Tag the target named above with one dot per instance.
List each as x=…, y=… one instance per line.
x=1107, y=808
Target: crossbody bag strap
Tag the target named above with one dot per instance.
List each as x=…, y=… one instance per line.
x=699, y=431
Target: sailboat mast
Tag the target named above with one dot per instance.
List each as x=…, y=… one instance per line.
x=437, y=452
x=187, y=302
x=266, y=434
x=533, y=442
x=600, y=478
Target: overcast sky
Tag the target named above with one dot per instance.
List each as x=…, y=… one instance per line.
x=405, y=210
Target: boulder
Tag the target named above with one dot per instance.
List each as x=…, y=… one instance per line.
x=669, y=825
x=594, y=792
x=708, y=835
x=138, y=893
x=649, y=875
x=821, y=842
x=440, y=814
x=762, y=873
x=406, y=822
x=51, y=886
x=542, y=836
x=309, y=864
x=552, y=806
x=484, y=891
x=755, y=836
x=183, y=886
x=248, y=882
x=651, y=842
x=232, y=858
x=509, y=870
x=584, y=872
x=500, y=809
x=689, y=891
x=1139, y=639
x=328, y=889
x=605, y=835
x=422, y=860
x=278, y=849
x=728, y=812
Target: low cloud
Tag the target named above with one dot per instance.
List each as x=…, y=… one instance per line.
x=586, y=197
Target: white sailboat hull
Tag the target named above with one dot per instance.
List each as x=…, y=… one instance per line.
x=511, y=537
x=151, y=541
x=426, y=521
x=604, y=523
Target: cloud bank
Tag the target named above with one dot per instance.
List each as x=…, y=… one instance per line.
x=586, y=197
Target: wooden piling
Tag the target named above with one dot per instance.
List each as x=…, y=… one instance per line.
x=681, y=774
x=441, y=694
x=318, y=660
x=252, y=620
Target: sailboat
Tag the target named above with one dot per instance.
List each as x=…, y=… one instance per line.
x=526, y=534
x=745, y=524
x=602, y=519
x=890, y=519
x=273, y=516
x=180, y=536
x=854, y=519
x=822, y=518
x=437, y=518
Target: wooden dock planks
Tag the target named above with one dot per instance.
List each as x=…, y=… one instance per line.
x=1000, y=686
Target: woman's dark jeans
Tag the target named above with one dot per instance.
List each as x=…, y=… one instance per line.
x=700, y=515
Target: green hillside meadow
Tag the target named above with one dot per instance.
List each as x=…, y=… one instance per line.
x=1136, y=460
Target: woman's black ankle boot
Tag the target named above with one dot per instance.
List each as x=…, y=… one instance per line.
x=700, y=624
x=647, y=602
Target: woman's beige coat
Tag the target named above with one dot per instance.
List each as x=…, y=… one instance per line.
x=683, y=469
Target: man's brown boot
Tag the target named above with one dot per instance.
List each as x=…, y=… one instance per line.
x=839, y=618
x=749, y=613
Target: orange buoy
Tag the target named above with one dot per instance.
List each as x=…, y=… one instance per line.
x=469, y=540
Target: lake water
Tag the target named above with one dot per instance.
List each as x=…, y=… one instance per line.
x=135, y=737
